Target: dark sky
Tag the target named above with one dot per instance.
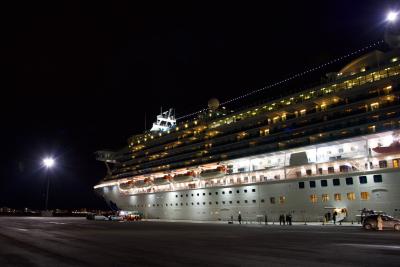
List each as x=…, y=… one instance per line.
x=79, y=77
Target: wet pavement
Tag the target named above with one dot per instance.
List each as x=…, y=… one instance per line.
x=50, y=241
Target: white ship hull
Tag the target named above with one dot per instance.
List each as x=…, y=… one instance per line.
x=218, y=203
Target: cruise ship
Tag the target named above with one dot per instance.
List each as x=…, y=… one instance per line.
x=331, y=148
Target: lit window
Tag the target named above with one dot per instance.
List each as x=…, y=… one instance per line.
x=351, y=196
x=374, y=106
x=302, y=112
x=325, y=197
x=313, y=198
x=282, y=199
x=338, y=197
x=364, y=195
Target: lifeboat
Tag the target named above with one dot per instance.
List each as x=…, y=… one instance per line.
x=185, y=177
x=391, y=149
x=162, y=180
x=126, y=185
x=143, y=183
x=219, y=172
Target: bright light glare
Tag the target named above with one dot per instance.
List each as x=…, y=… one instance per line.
x=391, y=16
x=48, y=162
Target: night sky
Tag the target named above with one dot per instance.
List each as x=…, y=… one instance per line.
x=77, y=78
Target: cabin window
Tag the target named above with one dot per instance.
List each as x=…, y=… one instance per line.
x=223, y=192
x=254, y=201
x=187, y=195
x=338, y=197
x=238, y=202
x=301, y=185
x=245, y=190
x=308, y=172
x=176, y=195
x=223, y=202
x=351, y=196
x=363, y=179
x=282, y=199
x=364, y=195
x=245, y=201
x=204, y=194
x=198, y=203
x=181, y=195
x=378, y=178
x=230, y=202
x=272, y=200
x=216, y=193
x=253, y=190
x=237, y=191
x=204, y=203
x=382, y=164
x=336, y=182
x=349, y=180
x=198, y=194
x=262, y=200
x=324, y=183
x=331, y=170
x=325, y=197
x=230, y=192
x=396, y=163
x=209, y=194
x=313, y=198
x=216, y=203
x=312, y=184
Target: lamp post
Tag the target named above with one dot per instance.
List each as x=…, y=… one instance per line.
x=48, y=163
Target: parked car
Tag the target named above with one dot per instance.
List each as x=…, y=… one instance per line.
x=370, y=222
x=93, y=216
x=115, y=218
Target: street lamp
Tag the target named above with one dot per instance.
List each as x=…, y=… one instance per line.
x=392, y=16
x=48, y=163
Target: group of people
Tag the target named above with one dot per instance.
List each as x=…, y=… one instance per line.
x=285, y=219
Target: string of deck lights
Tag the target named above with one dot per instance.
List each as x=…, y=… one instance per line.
x=290, y=78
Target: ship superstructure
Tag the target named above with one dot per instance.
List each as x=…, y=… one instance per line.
x=333, y=146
